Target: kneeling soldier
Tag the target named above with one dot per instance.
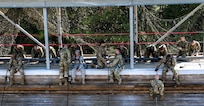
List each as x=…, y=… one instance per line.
x=156, y=88
x=117, y=66
x=65, y=59
x=78, y=66
x=16, y=65
x=169, y=63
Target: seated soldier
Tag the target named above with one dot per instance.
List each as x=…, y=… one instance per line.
x=162, y=51
x=169, y=64
x=194, y=48
x=150, y=50
x=182, y=46
x=156, y=88
x=16, y=65
x=124, y=52
x=117, y=66
x=19, y=50
x=101, y=55
x=65, y=59
x=53, y=53
x=78, y=66
x=37, y=52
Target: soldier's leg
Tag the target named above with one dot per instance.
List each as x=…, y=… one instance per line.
x=175, y=75
x=161, y=92
x=83, y=75
x=111, y=75
x=22, y=76
x=61, y=73
x=151, y=93
x=66, y=72
x=165, y=69
x=117, y=75
x=11, y=77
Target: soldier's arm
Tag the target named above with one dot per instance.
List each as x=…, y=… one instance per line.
x=199, y=47
x=174, y=62
x=10, y=64
x=69, y=56
x=115, y=61
x=42, y=52
x=81, y=66
x=160, y=62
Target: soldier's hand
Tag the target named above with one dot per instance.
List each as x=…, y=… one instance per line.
x=156, y=69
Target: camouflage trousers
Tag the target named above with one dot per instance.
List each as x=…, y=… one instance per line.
x=64, y=69
x=12, y=72
x=115, y=72
x=175, y=73
x=152, y=92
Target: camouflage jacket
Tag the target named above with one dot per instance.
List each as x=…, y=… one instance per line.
x=167, y=63
x=157, y=86
x=65, y=55
x=196, y=48
x=117, y=62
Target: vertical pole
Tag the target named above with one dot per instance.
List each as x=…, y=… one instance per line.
x=59, y=27
x=131, y=36
x=136, y=23
x=46, y=38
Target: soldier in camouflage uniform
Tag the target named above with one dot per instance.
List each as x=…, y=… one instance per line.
x=137, y=49
x=182, y=46
x=19, y=50
x=150, y=50
x=101, y=55
x=162, y=51
x=78, y=66
x=65, y=59
x=117, y=66
x=16, y=65
x=75, y=47
x=169, y=64
x=156, y=88
x=53, y=53
x=194, y=48
x=124, y=51
x=37, y=52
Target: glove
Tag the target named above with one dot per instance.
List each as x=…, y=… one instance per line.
x=156, y=69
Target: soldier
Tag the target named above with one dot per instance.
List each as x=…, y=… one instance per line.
x=53, y=53
x=37, y=52
x=117, y=66
x=151, y=50
x=182, y=45
x=162, y=51
x=65, y=59
x=169, y=64
x=101, y=55
x=16, y=65
x=19, y=50
x=137, y=49
x=194, y=48
x=78, y=66
x=156, y=87
x=124, y=51
x=75, y=47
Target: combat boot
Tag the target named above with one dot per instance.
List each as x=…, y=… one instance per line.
x=161, y=97
x=111, y=80
x=73, y=80
x=65, y=82
x=83, y=81
x=151, y=97
x=120, y=81
x=11, y=82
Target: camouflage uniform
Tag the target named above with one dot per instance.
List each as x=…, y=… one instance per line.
x=156, y=87
x=78, y=66
x=53, y=53
x=19, y=50
x=75, y=47
x=137, y=49
x=162, y=51
x=37, y=52
x=150, y=50
x=194, y=49
x=124, y=51
x=65, y=59
x=16, y=65
x=117, y=66
x=182, y=47
x=169, y=64
x=101, y=56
